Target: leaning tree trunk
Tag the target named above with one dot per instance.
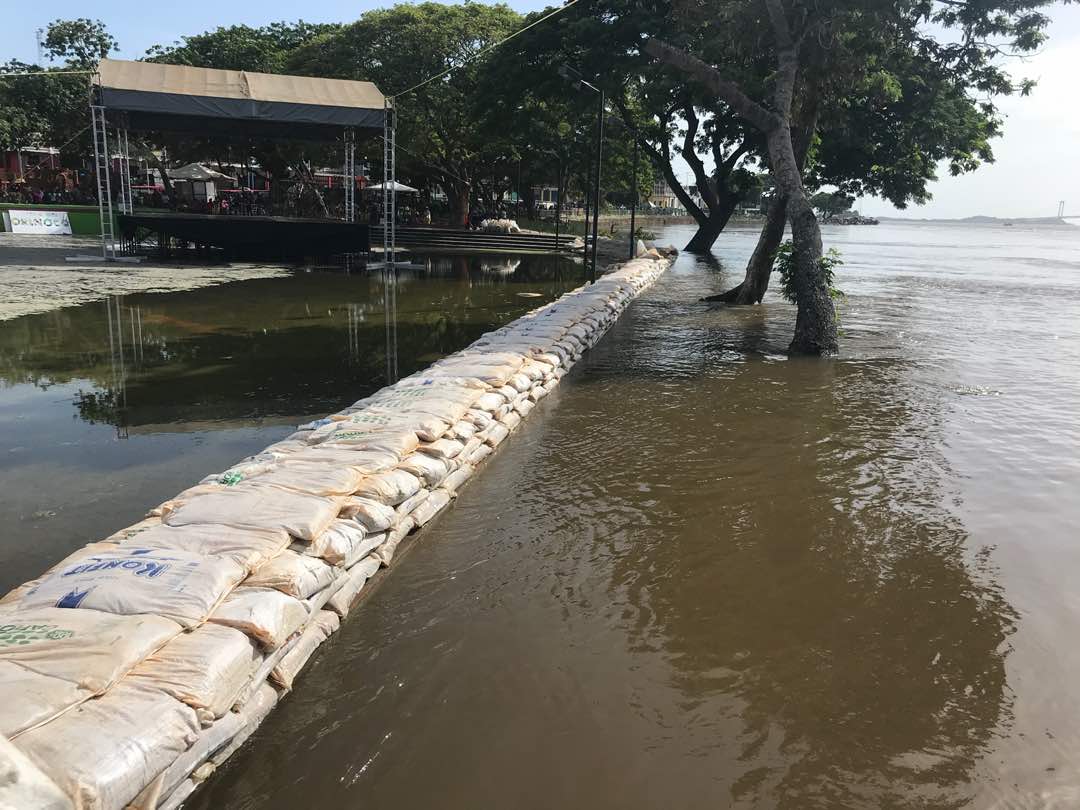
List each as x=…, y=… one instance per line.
x=758, y=270
x=815, y=322
x=709, y=229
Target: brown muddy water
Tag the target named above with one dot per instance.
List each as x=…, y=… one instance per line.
x=703, y=575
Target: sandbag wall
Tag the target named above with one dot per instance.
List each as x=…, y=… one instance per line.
x=137, y=665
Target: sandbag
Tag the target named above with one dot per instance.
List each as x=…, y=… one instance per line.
x=87, y=647
x=336, y=544
x=428, y=468
x=23, y=786
x=342, y=601
x=365, y=462
x=454, y=480
x=373, y=515
x=400, y=441
x=371, y=542
x=32, y=698
x=294, y=574
x=312, y=477
x=385, y=553
x=178, y=585
x=496, y=434
x=130, y=531
x=443, y=448
x=427, y=427
x=391, y=487
x=406, y=507
x=322, y=625
x=206, y=668
x=104, y=752
x=249, y=547
x=430, y=507
x=266, y=615
x=261, y=507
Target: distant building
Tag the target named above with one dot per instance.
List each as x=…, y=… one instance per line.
x=17, y=162
x=661, y=196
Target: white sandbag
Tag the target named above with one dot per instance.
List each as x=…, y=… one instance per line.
x=104, y=752
x=443, y=448
x=371, y=542
x=511, y=420
x=454, y=480
x=409, y=505
x=267, y=615
x=249, y=547
x=322, y=625
x=342, y=601
x=258, y=678
x=205, y=668
x=430, y=507
x=479, y=418
x=312, y=477
x=373, y=515
x=385, y=553
x=524, y=407
x=87, y=648
x=178, y=585
x=497, y=433
x=479, y=454
x=211, y=740
x=427, y=467
x=401, y=441
x=262, y=507
x=32, y=698
x=391, y=487
x=389, y=415
x=462, y=430
x=365, y=462
x=294, y=574
x=489, y=401
x=336, y=544
x=23, y=786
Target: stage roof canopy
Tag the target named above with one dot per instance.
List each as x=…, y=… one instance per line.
x=235, y=102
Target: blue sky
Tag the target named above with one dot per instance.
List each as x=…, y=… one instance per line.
x=1038, y=159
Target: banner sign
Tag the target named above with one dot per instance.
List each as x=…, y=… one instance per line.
x=52, y=222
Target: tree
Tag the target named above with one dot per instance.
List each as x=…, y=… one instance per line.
x=820, y=50
x=82, y=43
x=399, y=48
x=50, y=107
x=831, y=203
x=241, y=47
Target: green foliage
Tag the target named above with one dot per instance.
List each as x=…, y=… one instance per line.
x=241, y=47
x=784, y=264
x=81, y=43
x=830, y=204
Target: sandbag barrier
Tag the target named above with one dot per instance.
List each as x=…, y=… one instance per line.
x=134, y=667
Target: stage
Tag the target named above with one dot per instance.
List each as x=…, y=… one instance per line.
x=245, y=237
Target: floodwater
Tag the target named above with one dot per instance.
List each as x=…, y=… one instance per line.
x=703, y=575
x=110, y=407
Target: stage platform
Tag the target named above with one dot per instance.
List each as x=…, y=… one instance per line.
x=243, y=236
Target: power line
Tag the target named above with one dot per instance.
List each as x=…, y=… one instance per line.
x=482, y=51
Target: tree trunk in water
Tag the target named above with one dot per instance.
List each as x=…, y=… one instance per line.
x=815, y=323
x=459, y=206
x=758, y=270
x=710, y=228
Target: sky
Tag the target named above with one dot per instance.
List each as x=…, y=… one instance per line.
x=1037, y=158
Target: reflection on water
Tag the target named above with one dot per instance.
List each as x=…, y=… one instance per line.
x=704, y=575
x=110, y=407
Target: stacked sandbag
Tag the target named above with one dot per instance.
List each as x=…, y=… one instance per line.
x=159, y=649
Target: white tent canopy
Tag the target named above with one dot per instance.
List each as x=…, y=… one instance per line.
x=400, y=188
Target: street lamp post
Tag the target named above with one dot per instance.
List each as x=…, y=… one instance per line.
x=573, y=75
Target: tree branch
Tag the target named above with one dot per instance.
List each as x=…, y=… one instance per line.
x=709, y=76
x=689, y=153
